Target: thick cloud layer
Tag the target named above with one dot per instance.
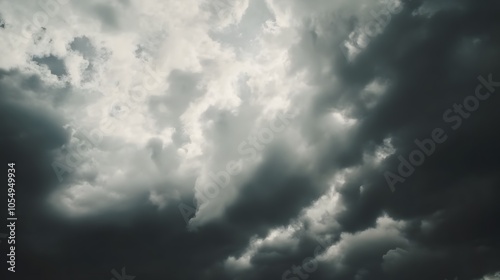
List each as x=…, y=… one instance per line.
x=252, y=139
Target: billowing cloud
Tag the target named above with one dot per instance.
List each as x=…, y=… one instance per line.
x=253, y=139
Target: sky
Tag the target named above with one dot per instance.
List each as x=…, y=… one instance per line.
x=251, y=139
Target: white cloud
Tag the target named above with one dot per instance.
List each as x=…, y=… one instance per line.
x=133, y=47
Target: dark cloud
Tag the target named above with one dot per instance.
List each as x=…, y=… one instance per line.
x=55, y=65
x=84, y=46
x=440, y=223
x=430, y=63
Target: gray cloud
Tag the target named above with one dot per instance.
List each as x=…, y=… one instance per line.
x=210, y=85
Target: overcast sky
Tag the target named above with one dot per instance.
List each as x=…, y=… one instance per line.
x=252, y=139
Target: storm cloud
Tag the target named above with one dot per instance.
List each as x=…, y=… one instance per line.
x=252, y=139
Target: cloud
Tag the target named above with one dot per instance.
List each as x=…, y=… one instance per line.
x=142, y=103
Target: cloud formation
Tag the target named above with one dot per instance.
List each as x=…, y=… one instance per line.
x=121, y=115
